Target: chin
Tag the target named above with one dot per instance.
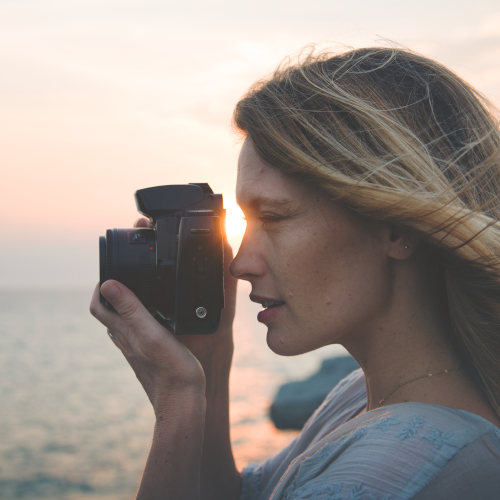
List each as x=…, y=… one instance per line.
x=283, y=344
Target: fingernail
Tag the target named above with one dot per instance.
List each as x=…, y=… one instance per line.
x=110, y=291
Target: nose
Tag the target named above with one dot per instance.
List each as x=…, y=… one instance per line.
x=247, y=264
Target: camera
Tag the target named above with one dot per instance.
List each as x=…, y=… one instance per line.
x=175, y=267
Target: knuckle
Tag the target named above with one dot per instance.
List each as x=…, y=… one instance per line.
x=94, y=309
x=128, y=310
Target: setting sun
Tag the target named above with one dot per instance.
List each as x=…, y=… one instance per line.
x=235, y=222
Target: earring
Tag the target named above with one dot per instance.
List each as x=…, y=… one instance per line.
x=406, y=247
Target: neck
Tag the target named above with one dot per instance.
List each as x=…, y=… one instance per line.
x=406, y=341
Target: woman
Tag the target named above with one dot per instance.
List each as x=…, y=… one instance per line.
x=370, y=181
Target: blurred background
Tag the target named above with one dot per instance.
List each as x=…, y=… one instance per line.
x=98, y=99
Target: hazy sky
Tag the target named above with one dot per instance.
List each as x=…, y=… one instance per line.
x=101, y=97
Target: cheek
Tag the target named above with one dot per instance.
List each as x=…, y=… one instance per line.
x=334, y=284
x=322, y=267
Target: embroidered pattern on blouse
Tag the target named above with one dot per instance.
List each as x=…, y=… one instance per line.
x=289, y=491
x=361, y=432
x=329, y=492
x=357, y=491
x=386, y=422
x=333, y=492
x=322, y=455
x=439, y=438
x=318, y=488
x=411, y=431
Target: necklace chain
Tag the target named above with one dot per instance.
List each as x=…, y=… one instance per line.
x=429, y=375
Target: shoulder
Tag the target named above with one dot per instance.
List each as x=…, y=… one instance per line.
x=392, y=452
x=471, y=473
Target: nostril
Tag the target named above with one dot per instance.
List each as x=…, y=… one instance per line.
x=237, y=272
x=246, y=265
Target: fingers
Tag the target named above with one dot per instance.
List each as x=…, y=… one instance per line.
x=114, y=339
x=132, y=318
x=127, y=305
x=106, y=317
x=96, y=308
x=156, y=356
x=99, y=311
x=142, y=222
x=119, y=340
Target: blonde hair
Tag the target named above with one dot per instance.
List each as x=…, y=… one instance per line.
x=399, y=138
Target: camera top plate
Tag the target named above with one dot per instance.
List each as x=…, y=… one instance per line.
x=159, y=201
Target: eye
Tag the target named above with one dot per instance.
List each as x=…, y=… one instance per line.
x=267, y=218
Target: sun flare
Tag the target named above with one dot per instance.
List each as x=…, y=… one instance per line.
x=235, y=223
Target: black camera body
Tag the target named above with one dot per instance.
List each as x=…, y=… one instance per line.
x=176, y=267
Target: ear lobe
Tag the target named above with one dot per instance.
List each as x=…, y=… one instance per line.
x=401, y=247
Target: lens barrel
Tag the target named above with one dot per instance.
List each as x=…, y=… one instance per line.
x=129, y=256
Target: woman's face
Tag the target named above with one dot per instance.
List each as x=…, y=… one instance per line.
x=325, y=267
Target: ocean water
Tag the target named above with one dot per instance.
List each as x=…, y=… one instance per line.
x=74, y=421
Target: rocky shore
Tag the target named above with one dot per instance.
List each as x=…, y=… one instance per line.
x=295, y=402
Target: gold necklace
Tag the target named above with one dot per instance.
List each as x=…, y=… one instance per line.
x=415, y=379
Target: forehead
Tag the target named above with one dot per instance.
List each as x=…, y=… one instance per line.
x=257, y=182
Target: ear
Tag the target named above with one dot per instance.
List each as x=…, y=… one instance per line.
x=400, y=246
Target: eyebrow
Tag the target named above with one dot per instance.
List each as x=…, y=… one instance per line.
x=258, y=201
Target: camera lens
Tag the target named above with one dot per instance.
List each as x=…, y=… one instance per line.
x=129, y=256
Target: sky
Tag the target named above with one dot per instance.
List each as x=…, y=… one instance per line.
x=99, y=98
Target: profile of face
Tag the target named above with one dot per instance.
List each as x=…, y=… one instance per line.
x=323, y=273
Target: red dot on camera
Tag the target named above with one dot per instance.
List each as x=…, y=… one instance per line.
x=151, y=248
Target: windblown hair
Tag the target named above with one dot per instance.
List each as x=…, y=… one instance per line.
x=397, y=137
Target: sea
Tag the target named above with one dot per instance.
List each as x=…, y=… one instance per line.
x=75, y=423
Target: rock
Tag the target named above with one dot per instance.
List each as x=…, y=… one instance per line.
x=295, y=402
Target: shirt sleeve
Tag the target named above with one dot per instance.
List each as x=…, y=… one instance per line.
x=257, y=479
x=472, y=473
x=402, y=456
x=251, y=479
x=256, y=476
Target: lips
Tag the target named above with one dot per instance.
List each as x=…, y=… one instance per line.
x=271, y=306
x=272, y=303
x=266, y=301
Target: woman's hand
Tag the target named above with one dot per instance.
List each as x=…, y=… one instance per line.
x=175, y=384
x=186, y=379
x=217, y=347
x=163, y=365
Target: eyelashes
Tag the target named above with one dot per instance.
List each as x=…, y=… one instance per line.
x=270, y=218
x=267, y=218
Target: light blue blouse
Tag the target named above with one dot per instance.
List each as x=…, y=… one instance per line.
x=409, y=450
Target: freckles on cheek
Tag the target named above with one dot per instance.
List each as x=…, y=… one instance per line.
x=327, y=281
x=309, y=275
